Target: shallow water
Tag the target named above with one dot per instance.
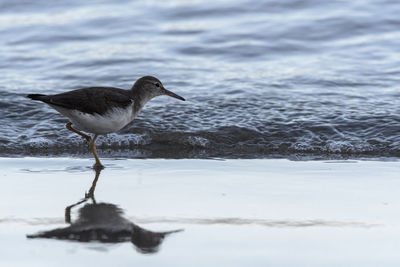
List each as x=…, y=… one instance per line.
x=233, y=212
x=262, y=79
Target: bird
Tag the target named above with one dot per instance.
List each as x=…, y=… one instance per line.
x=103, y=110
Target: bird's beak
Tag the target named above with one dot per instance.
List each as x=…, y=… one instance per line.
x=169, y=93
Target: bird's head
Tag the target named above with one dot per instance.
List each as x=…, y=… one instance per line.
x=149, y=87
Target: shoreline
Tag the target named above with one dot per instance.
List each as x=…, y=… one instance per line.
x=231, y=211
x=292, y=158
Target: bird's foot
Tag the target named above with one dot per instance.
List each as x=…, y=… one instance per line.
x=98, y=166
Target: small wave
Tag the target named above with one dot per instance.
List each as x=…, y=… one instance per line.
x=229, y=142
x=308, y=88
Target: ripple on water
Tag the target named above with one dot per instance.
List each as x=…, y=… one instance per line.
x=283, y=78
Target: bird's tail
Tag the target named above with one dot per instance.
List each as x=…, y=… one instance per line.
x=36, y=96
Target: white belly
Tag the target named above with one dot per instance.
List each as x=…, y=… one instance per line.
x=110, y=122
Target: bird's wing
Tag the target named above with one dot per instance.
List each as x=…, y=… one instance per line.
x=91, y=100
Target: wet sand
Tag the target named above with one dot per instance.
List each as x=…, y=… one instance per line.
x=232, y=212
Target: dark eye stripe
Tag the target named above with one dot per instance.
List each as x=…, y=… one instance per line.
x=157, y=84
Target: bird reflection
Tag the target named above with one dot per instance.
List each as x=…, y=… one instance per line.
x=104, y=222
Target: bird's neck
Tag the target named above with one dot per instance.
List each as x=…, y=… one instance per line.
x=139, y=101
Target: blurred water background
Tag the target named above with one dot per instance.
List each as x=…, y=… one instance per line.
x=281, y=78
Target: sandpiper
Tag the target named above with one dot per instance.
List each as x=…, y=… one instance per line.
x=103, y=110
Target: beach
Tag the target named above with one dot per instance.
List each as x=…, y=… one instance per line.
x=231, y=212
x=285, y=153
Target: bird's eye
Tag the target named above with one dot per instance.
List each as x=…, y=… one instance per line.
x=157, y=84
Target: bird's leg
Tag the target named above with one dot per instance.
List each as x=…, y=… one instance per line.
x=69, y=127
x=92, y=146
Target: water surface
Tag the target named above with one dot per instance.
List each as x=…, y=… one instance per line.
x=254, y=212
x=263, y=79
